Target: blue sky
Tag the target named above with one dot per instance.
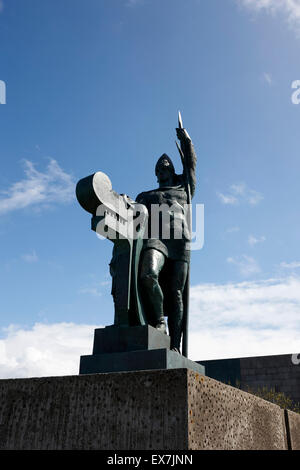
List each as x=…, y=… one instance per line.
x=97, y=85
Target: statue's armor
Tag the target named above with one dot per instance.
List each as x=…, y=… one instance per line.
x=176, y=198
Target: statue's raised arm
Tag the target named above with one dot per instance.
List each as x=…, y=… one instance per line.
x=188, y=157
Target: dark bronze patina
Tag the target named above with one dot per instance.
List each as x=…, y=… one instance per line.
x=164, y=271
x=150, y=274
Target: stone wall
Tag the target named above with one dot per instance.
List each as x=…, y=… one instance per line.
x=175, y=409
x=277, y=372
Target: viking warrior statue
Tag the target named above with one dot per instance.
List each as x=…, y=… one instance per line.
x=150, y=271
x=165, y=257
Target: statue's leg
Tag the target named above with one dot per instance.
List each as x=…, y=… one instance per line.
x=152, y=263
x=176, y=285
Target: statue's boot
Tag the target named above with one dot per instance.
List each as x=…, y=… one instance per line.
x=175, y=345
x=175, y=331
x=176, y=350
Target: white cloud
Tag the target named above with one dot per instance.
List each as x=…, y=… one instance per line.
x=268, y=78
x=238, y=188
x=96, y=287
x=292, y=265
x=240, y=193
x=37, y=188
x=290, y=9
x=245, y=319
x=252, y=240
x=227, y=342
x=226, y=320
x=90, y=291
x=44, y=350
x=246, y=265
x=233, y=229
x=30, y=257
x=254, y=197
x=1, y=6
x=227, y=199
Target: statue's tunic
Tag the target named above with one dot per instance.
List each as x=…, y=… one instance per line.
x=175, y=223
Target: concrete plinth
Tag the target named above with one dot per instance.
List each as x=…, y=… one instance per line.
x=136, y=360
x=123, y=349
x=162, y=409
x=114, y=339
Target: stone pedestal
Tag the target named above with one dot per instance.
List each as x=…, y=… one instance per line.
x=123, y=349
x=146, y=410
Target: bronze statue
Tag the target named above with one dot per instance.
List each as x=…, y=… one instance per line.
x=150, y=270
x=164, y=265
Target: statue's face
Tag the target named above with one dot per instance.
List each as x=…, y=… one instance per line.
x=164, y=173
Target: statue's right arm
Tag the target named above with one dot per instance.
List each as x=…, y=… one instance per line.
x=191, y=162
x=190, y=158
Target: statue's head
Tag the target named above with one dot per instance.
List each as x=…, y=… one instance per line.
x=164, y=169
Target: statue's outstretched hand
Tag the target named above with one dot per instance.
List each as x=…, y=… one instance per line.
x=183, y=135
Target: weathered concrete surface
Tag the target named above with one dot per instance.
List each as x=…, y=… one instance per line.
x=132, y=410
x=294, y=428
x=164, y=409
x=223, y=417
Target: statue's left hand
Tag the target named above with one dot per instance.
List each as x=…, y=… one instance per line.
x=130, y=202
x=183, y=135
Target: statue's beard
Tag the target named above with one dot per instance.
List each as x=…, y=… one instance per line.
x=165, y=179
